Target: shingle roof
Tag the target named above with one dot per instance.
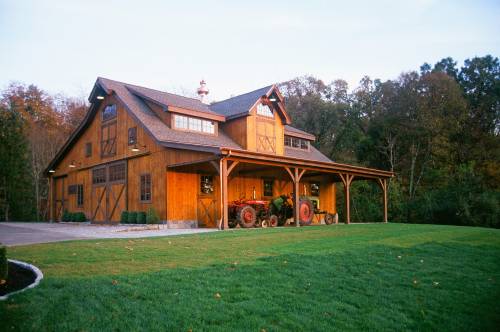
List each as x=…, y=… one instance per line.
x=313, y=154
x=159, y=130
x=292, y=131
x=239, y=105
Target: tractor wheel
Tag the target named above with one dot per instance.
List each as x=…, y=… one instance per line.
x=246, y=216
x=273, y=220
x=265, y=224
x=331, y=218
x=232, y=223
x=306, y=212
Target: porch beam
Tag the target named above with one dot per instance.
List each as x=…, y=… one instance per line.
x=232, y=166
x=215, y=165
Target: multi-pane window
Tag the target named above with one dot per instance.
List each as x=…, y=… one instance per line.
x=72, y=189
x=145, y=188
x=79, y=195
x=117, y=172
x=194, y=124
x=264, y=110
x=132, y=136
x=298, y=143
x=206, y=184
x=88, y=149
x=109, y=112
x=314, y=189
x=268, y=188
x=99, y=175
x=181, y=122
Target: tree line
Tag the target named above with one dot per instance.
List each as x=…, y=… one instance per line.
x=437, y=129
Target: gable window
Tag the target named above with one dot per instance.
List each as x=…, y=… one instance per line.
x=298, y=143
x=79, y=195
x=132, y=136
x=99, y=175
x=108, y=140
x=264, y=110
x=206, y=184
x=194, y=124
x=268, y=188
x=109, y=112
x=88, y=149
x=145, y=188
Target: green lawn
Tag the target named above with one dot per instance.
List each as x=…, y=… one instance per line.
x=356, y=277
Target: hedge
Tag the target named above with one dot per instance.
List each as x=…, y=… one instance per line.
x=4, y=266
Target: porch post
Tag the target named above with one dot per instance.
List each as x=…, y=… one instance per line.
x=225, y=210
x=51, y=200
x=383, y=186
x=346, y=180
x=296, y=197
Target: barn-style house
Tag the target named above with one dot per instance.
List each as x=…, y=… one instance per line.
x=194, y=162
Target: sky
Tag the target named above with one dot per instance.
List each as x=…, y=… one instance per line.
x=236, y=46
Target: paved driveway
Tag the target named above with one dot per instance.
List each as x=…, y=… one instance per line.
x=16, y=233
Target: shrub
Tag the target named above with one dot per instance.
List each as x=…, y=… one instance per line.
x=124, y=217
x=132, y=217
x=4, y=266
x=79, y=217
x=141, y=217
x=66, y=216
x=152, y=216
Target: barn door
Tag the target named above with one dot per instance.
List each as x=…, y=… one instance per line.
x=266, y=138
x=109, y=187
x=60, y=198
x=206, y=209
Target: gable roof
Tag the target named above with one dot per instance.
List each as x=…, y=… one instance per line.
x=239, y=105
x=313, y=154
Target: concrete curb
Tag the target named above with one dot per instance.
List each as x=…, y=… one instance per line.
x=38, y=273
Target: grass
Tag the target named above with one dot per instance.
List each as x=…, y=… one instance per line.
x=357, y=277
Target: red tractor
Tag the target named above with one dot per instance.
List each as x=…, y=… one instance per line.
x=250, y=213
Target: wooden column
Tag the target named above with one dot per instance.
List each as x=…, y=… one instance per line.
x=383, y=186
x=225, y=209
x=52, y=206
x=346, y=180
x=296, y=175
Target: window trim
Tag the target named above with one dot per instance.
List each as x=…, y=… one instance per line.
x=200, y=177
x=300, y=140
x=88, y=149
x=134, y=131
x=103, y=183
x=264, y=187
x=187, y=129
x=264, y=115
x=311, y=190
x=150, y=188
x=80, y=195
x=115, y=115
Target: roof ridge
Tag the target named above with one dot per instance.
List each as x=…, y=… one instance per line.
x=145, y=87
x=243, y=94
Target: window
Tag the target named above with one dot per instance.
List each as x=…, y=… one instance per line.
x=264, y=110
x=181, y=122
x=194, y=124
x=206, y=184
x=297, y=143
x=99, y=175
x=108, y=140
x=117, y=172
x=314, y=189
x=72, y=189
x=208, y=127
x=145, y=193
x=268, y=188
x=109, y=112
x=132, y=136
x=79, y=195
x=88, y=149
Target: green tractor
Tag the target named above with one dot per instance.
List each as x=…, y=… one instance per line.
x=329, y=218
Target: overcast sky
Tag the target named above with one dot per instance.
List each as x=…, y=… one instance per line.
x=236, y=46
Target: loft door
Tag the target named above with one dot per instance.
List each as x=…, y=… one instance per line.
x=109, y=185
x=60, y=199
x=266, y=137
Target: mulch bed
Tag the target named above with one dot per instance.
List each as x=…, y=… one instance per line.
x=17, y=279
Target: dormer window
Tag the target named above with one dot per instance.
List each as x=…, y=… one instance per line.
x=194, y=124
x=297, y=143
x=109, y=112
x=264, y=110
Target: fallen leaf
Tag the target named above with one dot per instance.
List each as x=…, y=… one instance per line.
x=129, y=248
x=436, y=283
x=399, y=257
x=114, y=282
x=421, y=261
x=217, y=296
x=415, y=282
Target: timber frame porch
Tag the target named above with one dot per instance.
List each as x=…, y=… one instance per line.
x=294, y=168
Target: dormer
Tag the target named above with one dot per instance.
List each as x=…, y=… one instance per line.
x=255, y=120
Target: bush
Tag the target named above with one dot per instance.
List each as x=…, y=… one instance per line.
x=124, y=217
x=4, y=266
x=141, y=217
x=152, y=217
x=79, y=217
x=66, y=216
x=132, y=217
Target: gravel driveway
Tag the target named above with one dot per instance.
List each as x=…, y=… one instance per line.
x=17, y=233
